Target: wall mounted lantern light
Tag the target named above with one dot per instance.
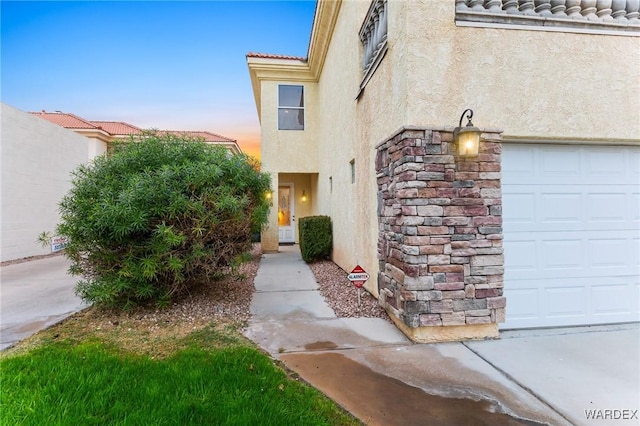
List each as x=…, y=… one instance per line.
x=467, y=138
x=304, y=196
x=269, y=197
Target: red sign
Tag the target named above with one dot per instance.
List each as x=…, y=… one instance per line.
x=358, y=276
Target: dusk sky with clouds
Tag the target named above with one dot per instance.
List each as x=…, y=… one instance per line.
x=153, y=64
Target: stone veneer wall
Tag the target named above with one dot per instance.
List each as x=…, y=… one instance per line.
x=440, y=235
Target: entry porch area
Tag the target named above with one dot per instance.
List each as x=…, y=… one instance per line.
x=292, y=196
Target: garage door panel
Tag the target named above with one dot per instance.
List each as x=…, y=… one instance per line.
x=522, y=305
x=611, y=299
x=605, y=163
x=519, y=164
x=606, y=207
x=571, y=234
x=575, y=301
x=610, y=253
x=564, y=301
x=545, y=255
x=561, y=207
x=523, y=257
x=522, y=210
x=598, y=210
x=634, y=208
x=559, y=162
x=565, y=254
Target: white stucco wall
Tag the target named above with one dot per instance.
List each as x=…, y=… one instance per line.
x=37, y=158
x=96, y=148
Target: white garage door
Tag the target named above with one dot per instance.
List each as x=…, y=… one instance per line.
x=571, y=234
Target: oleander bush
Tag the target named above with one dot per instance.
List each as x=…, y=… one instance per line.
x=158, y=215
x=316, y=238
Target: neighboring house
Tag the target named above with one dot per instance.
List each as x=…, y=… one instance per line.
x=101, y=133
x=38, y=153
x=545, y=220
x=99, y=138
x=37, y=160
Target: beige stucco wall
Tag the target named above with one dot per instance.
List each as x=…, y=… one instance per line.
x=37, y=158
x=532, y=84
x=288, y=150
x=347, y=132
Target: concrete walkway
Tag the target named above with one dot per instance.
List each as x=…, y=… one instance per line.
x=33, y=296
x=554, y=377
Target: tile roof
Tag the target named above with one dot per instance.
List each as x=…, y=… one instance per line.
x=274, y=56
x=118, y=128
x=66, y=120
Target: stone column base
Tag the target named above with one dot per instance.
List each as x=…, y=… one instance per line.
x=449, y=333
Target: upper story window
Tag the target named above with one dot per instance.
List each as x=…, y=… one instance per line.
x=373, y=35
x=290, y=107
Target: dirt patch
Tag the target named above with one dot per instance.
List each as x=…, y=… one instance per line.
x=381, y=400
x=30, y=258
x=317, y=346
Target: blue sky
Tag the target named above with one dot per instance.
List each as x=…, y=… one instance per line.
x=154, y=64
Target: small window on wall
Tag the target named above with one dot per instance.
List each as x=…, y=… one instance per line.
x=290, y=107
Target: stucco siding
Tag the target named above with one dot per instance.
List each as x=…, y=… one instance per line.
x=293, y=151
x=37, y=158
x=348, y=129
x=534, y=85
x=531, y=84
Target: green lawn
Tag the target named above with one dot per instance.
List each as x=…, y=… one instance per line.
x=213, y=379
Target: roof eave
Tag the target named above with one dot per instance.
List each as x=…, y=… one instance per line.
x=277, y=68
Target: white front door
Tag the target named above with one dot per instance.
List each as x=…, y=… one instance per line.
x=286, y=214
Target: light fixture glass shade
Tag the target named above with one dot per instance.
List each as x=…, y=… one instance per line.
x=468, y=140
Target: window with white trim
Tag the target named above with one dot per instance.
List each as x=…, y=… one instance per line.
x=290, y=107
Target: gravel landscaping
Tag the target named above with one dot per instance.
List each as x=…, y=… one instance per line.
x=342, y=296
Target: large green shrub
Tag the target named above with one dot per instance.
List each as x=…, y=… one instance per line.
x=316, y=237
x=158, y=215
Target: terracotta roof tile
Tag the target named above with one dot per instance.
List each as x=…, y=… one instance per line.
x=274, y=56
x=117, y=128
x=66, y=120
x=120, y=128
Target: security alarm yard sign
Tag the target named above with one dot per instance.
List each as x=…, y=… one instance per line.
x=358, y=276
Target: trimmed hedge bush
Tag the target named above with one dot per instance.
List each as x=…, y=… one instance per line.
x=316, y=237
x=159, y=215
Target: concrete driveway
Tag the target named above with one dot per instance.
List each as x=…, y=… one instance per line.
x=35, y=295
